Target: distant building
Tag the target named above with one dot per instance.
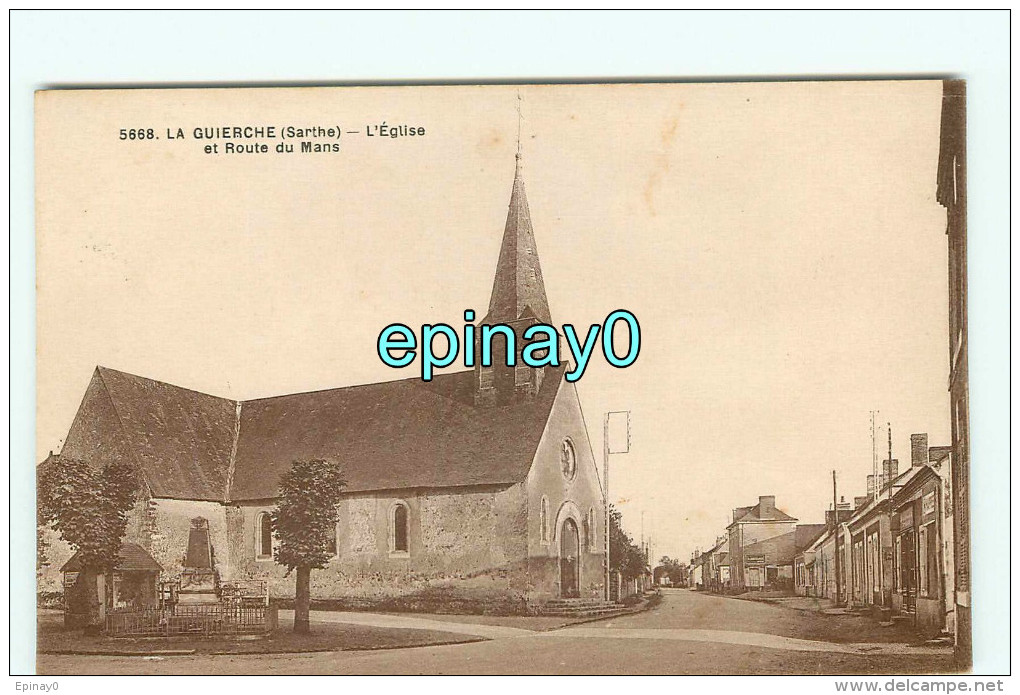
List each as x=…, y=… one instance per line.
x=749, y=567
x=804, y=537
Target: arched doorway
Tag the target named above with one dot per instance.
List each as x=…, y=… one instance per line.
x=570, y=565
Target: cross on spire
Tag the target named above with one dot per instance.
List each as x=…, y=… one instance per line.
x=520, y=117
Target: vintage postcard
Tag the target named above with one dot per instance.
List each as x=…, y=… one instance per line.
x=654, y=378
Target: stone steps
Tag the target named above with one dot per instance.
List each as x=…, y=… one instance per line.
x=579, y=608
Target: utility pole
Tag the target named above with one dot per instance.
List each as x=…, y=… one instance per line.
x=605, y=478
x=874, y=457
x=835, y=529
x=889, y=473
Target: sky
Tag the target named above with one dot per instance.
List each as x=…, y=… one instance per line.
x=780, y=244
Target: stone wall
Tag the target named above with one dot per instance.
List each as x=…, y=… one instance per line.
x=169, y=524
x=467, y=551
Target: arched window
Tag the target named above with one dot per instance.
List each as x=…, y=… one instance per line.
x=400, y=528
x=264, y=536
x=544, y=519
x=593, y=530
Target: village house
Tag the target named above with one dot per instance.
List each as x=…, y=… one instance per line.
x=817, y=561
x=898, y=561
x=753, y=563
x=804, y=536
x=921, y=567
x=698, y=570
x=870, y=569
x=712, y=572
x=477, y=490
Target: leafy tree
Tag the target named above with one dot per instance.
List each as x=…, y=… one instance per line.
x=88, y=507
x=305, y=520
x=42, y=545
x=674, y=569
x=625, y=556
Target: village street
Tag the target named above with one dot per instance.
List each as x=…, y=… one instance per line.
x=688, y=633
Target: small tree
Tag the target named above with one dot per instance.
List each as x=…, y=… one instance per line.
x=626, y=557
x=673, y=568
x=42, y=546
x=305, y=521
x=88, y=507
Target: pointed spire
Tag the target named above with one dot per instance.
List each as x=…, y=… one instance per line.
x=518, y=288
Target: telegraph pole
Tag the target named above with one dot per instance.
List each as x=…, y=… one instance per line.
x=605, y=479
x=835, y=529
x=874, y=457
x=889, y=474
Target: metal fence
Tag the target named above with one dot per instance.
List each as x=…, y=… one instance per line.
x=198, y=620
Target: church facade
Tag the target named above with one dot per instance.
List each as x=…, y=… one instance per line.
x=476, y=491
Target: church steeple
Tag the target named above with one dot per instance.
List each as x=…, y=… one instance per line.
x=518, y=300
x=518, y=288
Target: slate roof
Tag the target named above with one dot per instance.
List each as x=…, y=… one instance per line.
x=130, y=558
x=397, y=434
x=740, y=513
x=806, y=534
x=181, y=439
x=778, y=550
x=518, y=289
x=755, y=514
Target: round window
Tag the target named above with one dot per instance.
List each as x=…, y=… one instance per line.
x=568, y=460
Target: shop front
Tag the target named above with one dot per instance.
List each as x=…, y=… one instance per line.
x=919, y=574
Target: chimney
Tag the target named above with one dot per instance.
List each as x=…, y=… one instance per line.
x=918, y=450
x=890, y=469
x=766, y=505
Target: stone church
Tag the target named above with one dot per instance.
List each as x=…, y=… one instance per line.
x=476, y=491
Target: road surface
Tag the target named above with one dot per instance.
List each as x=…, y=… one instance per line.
x=688, y=633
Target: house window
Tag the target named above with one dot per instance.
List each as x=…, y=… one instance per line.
x=568, y=459
x=544, y=519
x=399, y=528
x=593, y=534
x=264, y=536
